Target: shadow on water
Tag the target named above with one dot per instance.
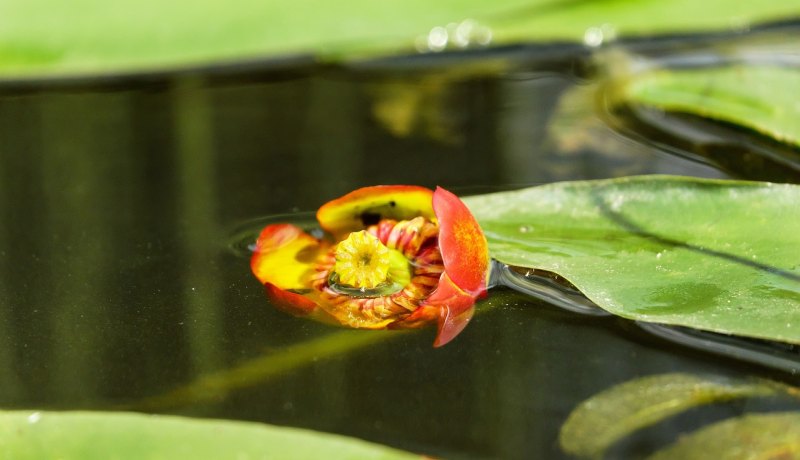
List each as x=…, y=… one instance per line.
x=119, y=283
x=635, y=229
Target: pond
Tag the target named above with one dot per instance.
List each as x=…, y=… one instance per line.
x=128, y=204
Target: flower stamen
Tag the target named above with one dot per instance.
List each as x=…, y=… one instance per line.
x=362, y=261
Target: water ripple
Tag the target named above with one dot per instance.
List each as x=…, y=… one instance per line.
x=242, y=238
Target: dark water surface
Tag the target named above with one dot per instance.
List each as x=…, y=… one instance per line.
x=124, y=284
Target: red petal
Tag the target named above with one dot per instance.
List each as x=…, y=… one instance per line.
x=422, y=316
x=455, y=309
x=298, y=305
x=451, y=325
x=464, y=249
x=289, y=302
x=346, y=214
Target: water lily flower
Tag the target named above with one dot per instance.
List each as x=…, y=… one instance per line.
x=393, y=257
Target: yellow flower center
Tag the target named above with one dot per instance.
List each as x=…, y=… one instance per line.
x=362, y=261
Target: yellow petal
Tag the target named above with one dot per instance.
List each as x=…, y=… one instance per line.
x=285, y=256
x=368, y=205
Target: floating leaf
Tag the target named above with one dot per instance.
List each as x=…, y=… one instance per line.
x=602, y=420
x=119, y=435
x=48, y=37
x=753, y=97
x=709, y=254
x=756, y=436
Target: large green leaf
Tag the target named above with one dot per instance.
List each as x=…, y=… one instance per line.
x=47, y=37
x=602, y=420
x=709, y=254
x=754, y=97
x=119, y=436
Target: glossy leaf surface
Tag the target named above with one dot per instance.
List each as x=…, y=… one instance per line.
x=713, y=255
x=108, y=435
x=753, y=97
x=46, y=37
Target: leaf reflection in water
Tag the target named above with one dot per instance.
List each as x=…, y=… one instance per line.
x=762, y=436
x=217, y=385
x=559, y=292
x=616, y=413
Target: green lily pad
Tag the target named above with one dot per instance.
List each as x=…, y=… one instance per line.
x=590, y=432
x=753, y=97
x=119, y=436
x=715, y=255
x=49, y=37
x=755, y=436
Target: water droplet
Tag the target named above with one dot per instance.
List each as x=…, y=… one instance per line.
x=593, y=37
x=34, y=417
x=388, y=287
x=481, y=35
x=462, y=35
x=437, y=39
x=525, y=228
x=599, y=35
x=658, y=256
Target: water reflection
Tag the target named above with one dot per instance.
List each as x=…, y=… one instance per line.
x=752, y=137
x=557, y=291
x=468, y=33
x=545, y=286
x=599, y=35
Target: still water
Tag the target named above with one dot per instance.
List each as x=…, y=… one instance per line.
x=126, y=203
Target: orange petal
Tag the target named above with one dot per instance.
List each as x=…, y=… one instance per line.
x=289, y=302
x=451, y=325
x=455, y=309
x=367, y=205
x=298, y=305
x=464, y=249
x=284, y=256
x=422, y=316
